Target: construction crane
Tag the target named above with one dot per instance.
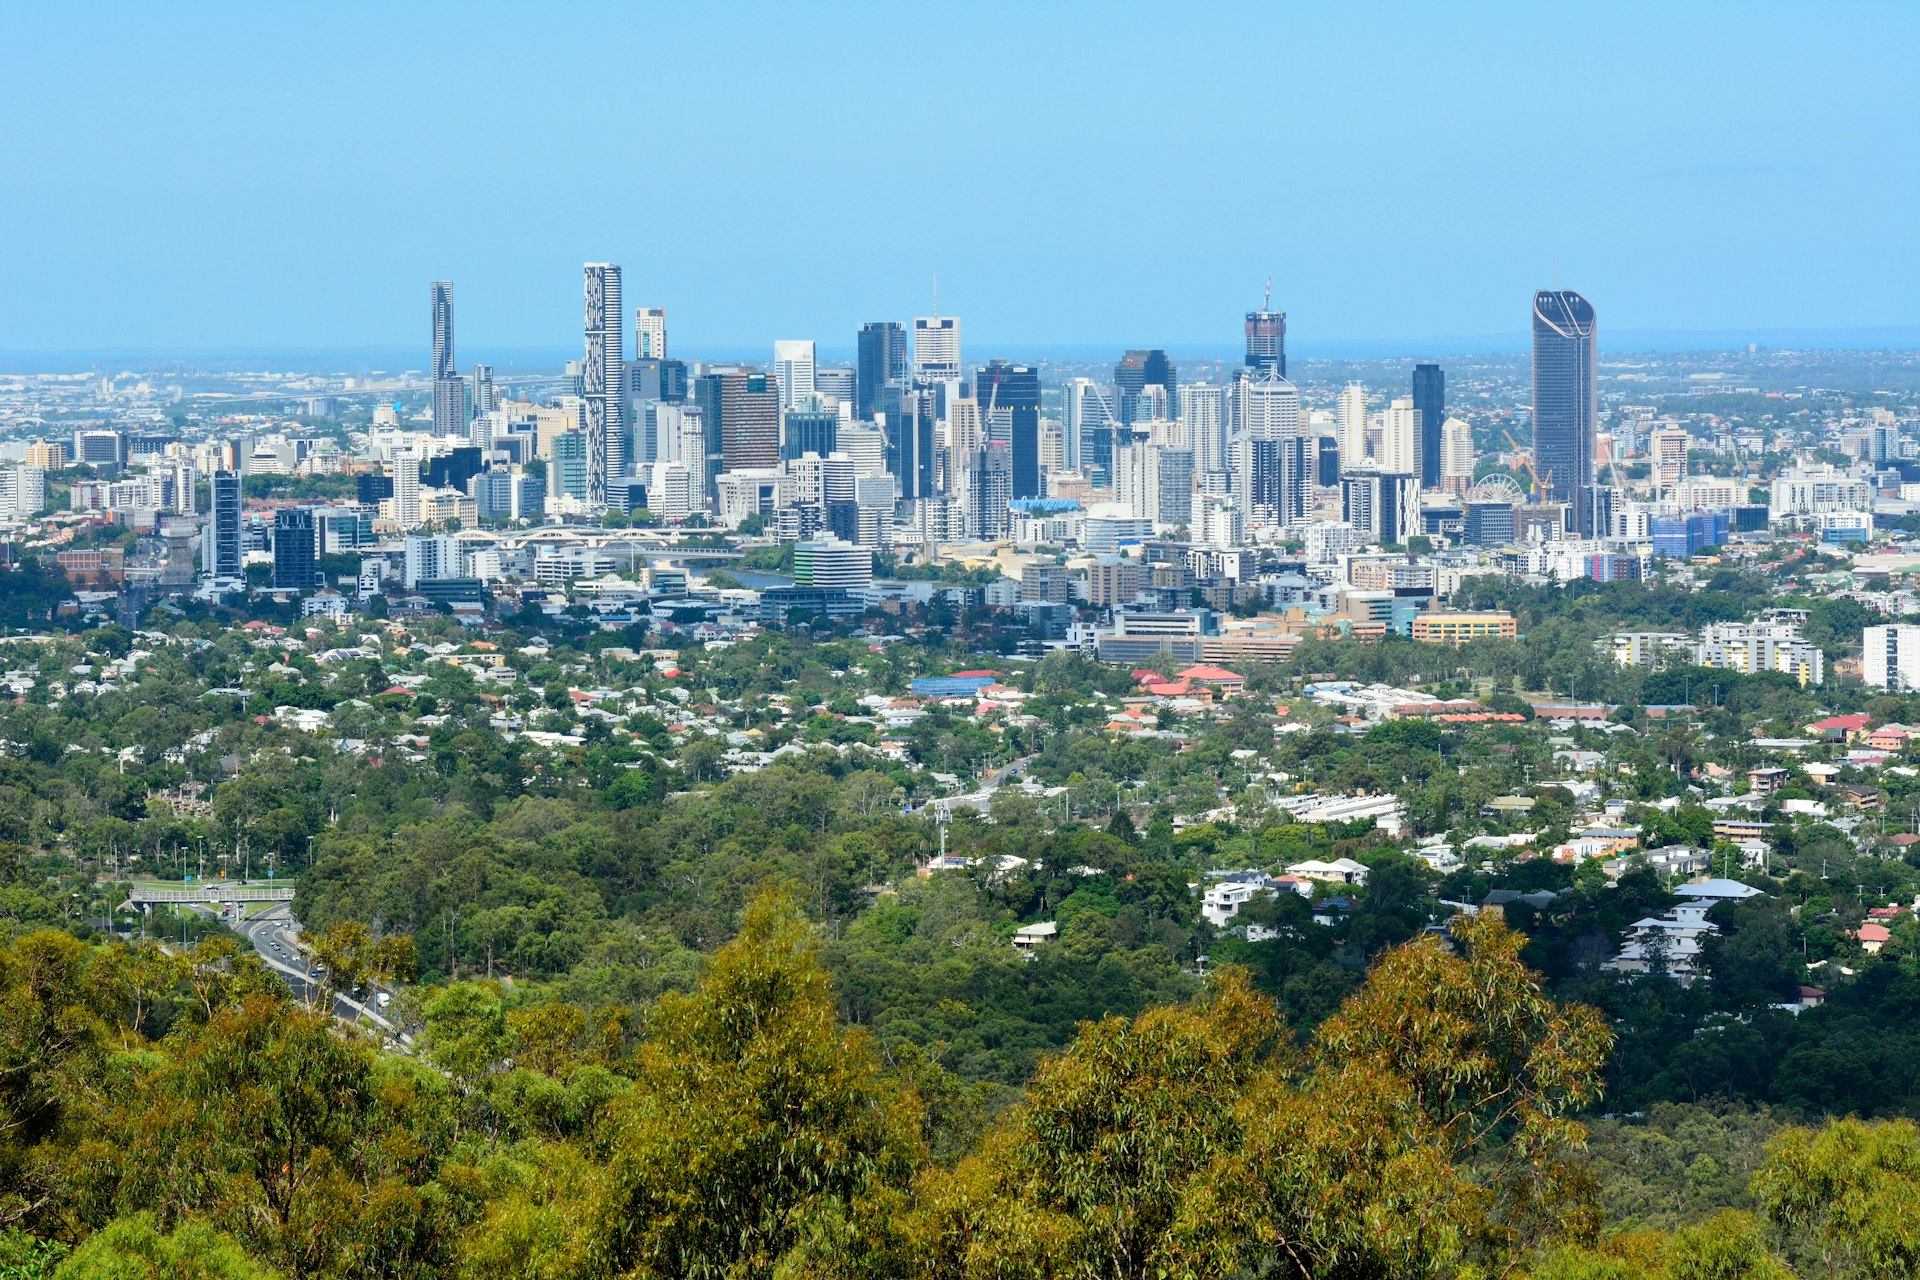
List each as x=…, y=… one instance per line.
x=1542, y=486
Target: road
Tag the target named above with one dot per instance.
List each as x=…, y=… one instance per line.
x=275, y=938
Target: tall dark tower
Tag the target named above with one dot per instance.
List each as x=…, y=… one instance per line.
x=882, y=359
x=1013, y=391
x=442, y=329
x=1139, y=369
x=449, y=390
x=1267, y=340
x=1430, y=400
x=1565, y=396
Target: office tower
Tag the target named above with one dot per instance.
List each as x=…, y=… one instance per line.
x=1090, y=422
x=225, y=526
x=966, y=431
x=1430, y=401
x=1456, y=454
x=1203, y=411
x=1328, y=471
x=882, y=359
x=1014, y=389
x=484, y=399
x=1668, y=448
x=1281, y=471
x=601, y=378
x=793, y=369
x=989, y=514
x=812, y=426
x=650, y=333
x=1400, y=437
x=1353, y=427
x=936, y=348
x=1565, y=393
x=910, y=443
x=296, y=564
x=1488, y=524
x=1267, y=340
x=1269, y=407
x=567, y=466
x=1137, y=370
x=741, y=412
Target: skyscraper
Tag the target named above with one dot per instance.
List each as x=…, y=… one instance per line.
x=1014, y=389
x=1090, y=423
x=449, y=389
x=882, y=359
x=793, y=367
x=602, y=379
x=1139, y=369
x=741, y=413
x=442, y=329
x=296, y=563
x=1269, y=407
x=223, y=558
x=910, y=443
x=1400, y=437
x=650, y=333
x=1430, y=399
x=1565, y=393
x=936, y=348
x=1353, y=427
x=483, y=399
x=1267, y=340
x=811, y=426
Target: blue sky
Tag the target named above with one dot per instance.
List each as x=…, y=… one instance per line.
x=283, y=175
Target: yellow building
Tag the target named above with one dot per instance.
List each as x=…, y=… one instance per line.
x=1458, y=628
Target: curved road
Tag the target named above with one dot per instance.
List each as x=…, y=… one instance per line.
x=275, y=938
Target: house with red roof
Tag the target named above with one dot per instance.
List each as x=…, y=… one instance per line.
x=1227, y=682
x=1872, y=937
x=1840, y=728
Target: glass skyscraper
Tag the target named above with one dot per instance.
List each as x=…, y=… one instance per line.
x=1014, y=390
x=1430, y=401
x=1564, y=393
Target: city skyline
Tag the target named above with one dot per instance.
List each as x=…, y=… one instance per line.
x=189, y=204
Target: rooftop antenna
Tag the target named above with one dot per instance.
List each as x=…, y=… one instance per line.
x=936, y=295
x=1266, y=302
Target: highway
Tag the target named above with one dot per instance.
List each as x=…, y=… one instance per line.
x=275, y=938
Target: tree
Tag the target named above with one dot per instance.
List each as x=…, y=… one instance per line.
x=132, y=1249
x=760, y=1123
x=1086, y=1177
x=1853, y=1185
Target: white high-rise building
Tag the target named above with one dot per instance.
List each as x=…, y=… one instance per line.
x=1353, y=427
x=1456, y=453
x=936, y=347
x=1221, y=523
x=431, y=557
x=1203, y=410
x=650, y=333
x=793, y=367
x=406, y=490
x=1890, y=657
x=1400, y=438
x=1269, y=408
x=602, y=382
x=23, y=491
